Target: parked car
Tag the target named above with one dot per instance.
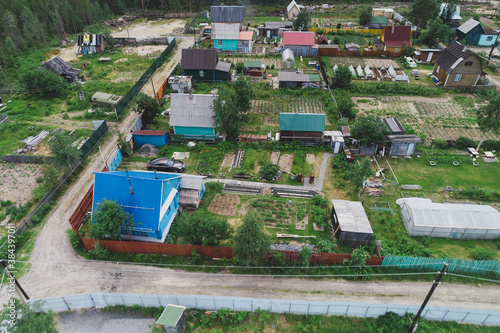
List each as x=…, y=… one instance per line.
x=166, y=165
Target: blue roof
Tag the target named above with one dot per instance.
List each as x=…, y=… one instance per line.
x=150, y=193
x=307, y=122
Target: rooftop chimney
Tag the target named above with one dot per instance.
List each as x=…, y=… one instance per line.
x=392, y=30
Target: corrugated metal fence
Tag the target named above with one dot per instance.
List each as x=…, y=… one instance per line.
x=92, y=141
x=144, y=78
x=455, y=265
x=352, y=309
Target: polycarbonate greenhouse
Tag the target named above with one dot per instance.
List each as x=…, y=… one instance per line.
x=422, y=217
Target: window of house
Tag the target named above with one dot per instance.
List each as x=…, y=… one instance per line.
x=397, y=50
x=437, y=70
x=489, y=39
x=468, y=63
x=202, y=73
x=458, y=77
x=219, y=42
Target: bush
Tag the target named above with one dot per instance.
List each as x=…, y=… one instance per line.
x=74, y=240
x=99, y=252
x=326, y=246
x=269, y=171
x=464, y=143
x=480, y=253
x=164, y=151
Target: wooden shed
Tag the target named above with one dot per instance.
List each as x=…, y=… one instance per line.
x=402, y=145
x=173, y=319
x=350, y=223
x=302, y=127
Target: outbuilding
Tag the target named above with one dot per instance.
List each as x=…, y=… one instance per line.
x=350, y=223
x=288, y=60
x=402, y=145
x=155, y=138
x=180, y=84
x=302, y=127
x=422, y=217
x=292, y=79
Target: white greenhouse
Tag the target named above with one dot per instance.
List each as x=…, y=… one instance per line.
x=422, y=217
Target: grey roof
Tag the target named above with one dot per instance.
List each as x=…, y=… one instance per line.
x=293, y=76
x=191, y=110
x=352, y=216
x=278, y=24
x=468, y=26
x=60, y=67
x=223, y=66
x=227, y=14
x=349, y=45
x=205, y=59
x=406, y=138
x=452, y=56
x=394, y=125
x=456, y=14
x=226, y=31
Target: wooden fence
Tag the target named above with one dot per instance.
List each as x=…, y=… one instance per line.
x=159, y=92
x=331, y=52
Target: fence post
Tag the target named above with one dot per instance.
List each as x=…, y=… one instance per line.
x=485, y=319
x=308, y=307
x=92, y=299
x=233, y=305
x=290, y=308
x=271, y=308
x=465, y=317
x=142, y=301
x=177, y=300
x=445, y=314
x=347, y=310
x=251, y=305
x=215, y=305
x=65, y=303
x=328, y=310
x=123, y=299
x=368, y=308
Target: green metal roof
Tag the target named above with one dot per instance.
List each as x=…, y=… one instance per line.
x=302, y=122
x=252, y=63
x=314, y=77
x=379, y=20
x=171, y=315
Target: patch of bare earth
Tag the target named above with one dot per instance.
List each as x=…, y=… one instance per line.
x=228, y=159
x=285, y=163
x=225, y=204
x=17, y=181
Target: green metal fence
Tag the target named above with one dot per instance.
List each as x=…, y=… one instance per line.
x=89, y=145
x=455, y=265
x=144, y=78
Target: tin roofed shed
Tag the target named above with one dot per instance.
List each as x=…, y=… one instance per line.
x=155, y=138
x=350, y=222
x=302, y=127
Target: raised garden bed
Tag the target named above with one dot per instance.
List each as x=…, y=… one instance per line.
x=276, y=212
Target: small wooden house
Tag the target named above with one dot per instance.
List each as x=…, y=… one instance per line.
x=396, y=38
x=204, y=65
x=302, y=127
x=253, y=67
x=302, y=43
x=475, y=34
x=293, y=9
x=227, y=14
x=458, y=67
x=62, y=68
x=426, y=56
x=350, y=222
x=352, y=47
x=292, y=79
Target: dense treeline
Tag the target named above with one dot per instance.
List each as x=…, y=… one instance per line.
x=26, y=25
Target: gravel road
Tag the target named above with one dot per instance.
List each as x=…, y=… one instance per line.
x=57, y=270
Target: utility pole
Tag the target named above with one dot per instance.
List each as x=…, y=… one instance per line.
x=152, y=85
x=26, y=297
x=414, y=325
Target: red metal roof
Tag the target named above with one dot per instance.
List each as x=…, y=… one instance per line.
x=399, y=35
x=145, y=132
x=298, y=38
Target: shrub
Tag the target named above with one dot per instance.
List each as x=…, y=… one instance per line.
x=269, y=171
x=164, y=151
x=464, y=143
x=99, y=252
x=74, y=239
x=326, y=246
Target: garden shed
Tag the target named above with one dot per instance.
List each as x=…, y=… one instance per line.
x=173, y=319
x=253, y=67
x=350, y=223
x=62, y=68
x=422, y=217
x=155, y=138
x=292, y=79
x=302, y=127
x=288, y=58
x=402, y=145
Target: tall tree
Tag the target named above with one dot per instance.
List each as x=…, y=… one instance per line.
x=31, y=25
x=148, y=107
x=244, y=94
x=422, y=11
x=369, y=129
x=302, y=21
x=251, y=243
x=226, y=116
x=488, y=118
x=448, y=12
x=65, y=155
x=360, y=172
x=343, y=77
x=365, y=15
x=436, y=33
x=109, y=217
x=28, y=318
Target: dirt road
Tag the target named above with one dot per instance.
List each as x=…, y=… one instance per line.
x=57, y=270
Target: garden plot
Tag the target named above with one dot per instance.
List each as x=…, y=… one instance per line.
x=276, y=212
x=302, y=220
x=285, y=103
x=17, y=181
x=285, y=163
x=379, y=63
x=227, y=161
x=347, y=61
x=269, y=62
x=225, y=204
